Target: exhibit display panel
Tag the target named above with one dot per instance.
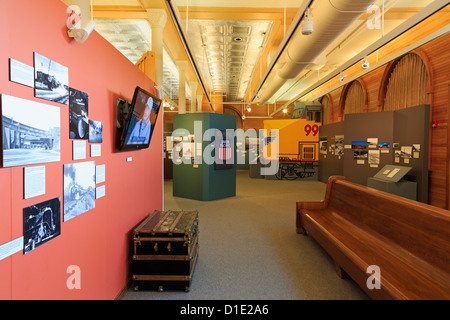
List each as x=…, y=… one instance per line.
x=193, y=177
x=373, y=140
x=331, y=158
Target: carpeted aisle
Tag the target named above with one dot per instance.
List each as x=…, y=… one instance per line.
x=249, y=249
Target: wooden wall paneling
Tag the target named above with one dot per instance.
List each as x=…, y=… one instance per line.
x=447, y=166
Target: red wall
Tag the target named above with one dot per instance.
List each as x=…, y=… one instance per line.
x=97, y=241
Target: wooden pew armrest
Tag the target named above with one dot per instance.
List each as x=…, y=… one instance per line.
x=311, y=205
x=323, y=204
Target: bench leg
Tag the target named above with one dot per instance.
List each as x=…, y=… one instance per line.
x=340, y=272
x=299, y=224
x=301, y=230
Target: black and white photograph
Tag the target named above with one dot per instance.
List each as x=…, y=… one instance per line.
x=406, y=152
x=31, y=132
x=374, y=157
x=51, y=80
x=323, y=145
x=79, y=188
x=95, y=131
x=339, y=146
x=41, y=223
x=78, y=114
x=372, y=142
x=360, y=154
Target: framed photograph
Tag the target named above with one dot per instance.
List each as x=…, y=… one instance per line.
x=31, y=132
x=360, y=154
x=79, y=188
x=78, y=114
x=384, y=145
x=95, y=131
x=41, y=223
x=406, y=151
x=359, y=144
x=372, y=142
x=51, y=80
x=339, y=145
x=374, y=157
x=323, y=146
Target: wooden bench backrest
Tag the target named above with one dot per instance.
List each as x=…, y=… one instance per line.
x=421, y=229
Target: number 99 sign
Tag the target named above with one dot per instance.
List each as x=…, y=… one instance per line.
x=314, y=129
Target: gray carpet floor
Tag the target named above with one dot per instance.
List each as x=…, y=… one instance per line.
x=249, y=249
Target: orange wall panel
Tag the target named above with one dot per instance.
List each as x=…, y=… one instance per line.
x=98, y=241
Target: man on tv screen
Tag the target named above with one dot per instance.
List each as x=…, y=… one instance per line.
x=145, y=116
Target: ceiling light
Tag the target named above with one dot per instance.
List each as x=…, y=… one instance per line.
x=284, y=110
x=249, y=109
x=365, y=64
x=237, y=39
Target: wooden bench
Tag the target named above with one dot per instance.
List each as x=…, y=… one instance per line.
x=360, y=227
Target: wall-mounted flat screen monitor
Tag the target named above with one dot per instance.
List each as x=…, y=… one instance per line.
x=140, y=124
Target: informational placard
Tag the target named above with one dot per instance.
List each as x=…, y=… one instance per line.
x=100, y=192
x=96, y=150
x=11, y=247
x=34, y=181
x=100, y=173
x=21, y=73
x=392, y=173
x=79, y=149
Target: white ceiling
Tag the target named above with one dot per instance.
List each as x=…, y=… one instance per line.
x=227, y=53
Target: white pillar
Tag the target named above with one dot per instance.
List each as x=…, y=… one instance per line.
x=199, y=102
x=193, y=86
x=157, y=19
x=182, y=65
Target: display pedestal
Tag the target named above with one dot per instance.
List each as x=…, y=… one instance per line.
x=403, y=188
x=390, y=180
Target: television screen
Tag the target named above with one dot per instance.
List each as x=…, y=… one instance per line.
x=142, y=116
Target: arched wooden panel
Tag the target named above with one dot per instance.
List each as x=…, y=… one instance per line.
x=407, y=83
x=327, y=109
x=353, y=98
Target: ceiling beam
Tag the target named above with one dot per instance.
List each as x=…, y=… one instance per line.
x=227, y=13
x=119, y=12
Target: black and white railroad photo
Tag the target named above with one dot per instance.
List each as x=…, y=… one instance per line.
x=79, y=188
x=95, y=131
x=41, y=223
x=78, y=114
x=51, y=80
x=31, y=132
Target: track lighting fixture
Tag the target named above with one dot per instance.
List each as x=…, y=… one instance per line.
x=307, y=25
x=365, y=64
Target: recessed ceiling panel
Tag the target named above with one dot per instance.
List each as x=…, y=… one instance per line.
x=227, y=50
